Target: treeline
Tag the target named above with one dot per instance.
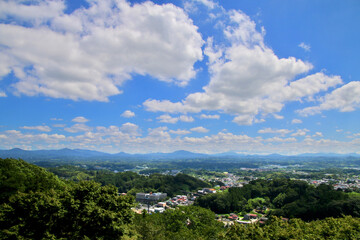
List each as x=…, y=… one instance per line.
x=287, y=198
x=198, y=223
x=132, y=183
x=36, y=204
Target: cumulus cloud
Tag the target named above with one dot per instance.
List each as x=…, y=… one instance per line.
x=130, y=128
x=27, y=140
x=248, y=78
x=88, y=54
x=300, y=132
x=244, y=120
x=277, y=116
x=80, y=119
x=208, y=3
x=279, y=140
x=180, y=132
x=344, y=99
x=3, y=94
x=185, y=118
x=128, y=114
x=114, y=139
x=199, y=129
x=318, y=134
x=38, y=128
x=166, y=118
x=79, y=127
x=40, y=11
x=276, y=131
x=215, y=116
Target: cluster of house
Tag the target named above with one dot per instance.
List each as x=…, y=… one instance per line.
x=179, y=200
x=206, y=191
x=247, y=219
x=153, y=201
x=337, y=184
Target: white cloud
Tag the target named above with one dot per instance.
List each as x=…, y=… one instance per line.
x=277, y=116
x=27, y=141
x=166, y=118
x=80, y=119
x=128, y=114
x=318, y=134
x=41, y=11
x=247, y=78
x=345, y=99
x=199, y=129
x=180, y=132
x=167, y=106
x=296, y=121
x=130, y=128
x=79, y=127
x=277, y=131
x=305, y=46
x=185, y=118
x=300, y=132
x=89, y=53
x=278, y=139
x=38, y=128
x=115, y=139
x=208, y=3
x=3, y=94
x=244, y=120
x=215, y=116
x=158, y=133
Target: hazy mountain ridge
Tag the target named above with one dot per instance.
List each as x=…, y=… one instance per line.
x=67, y=153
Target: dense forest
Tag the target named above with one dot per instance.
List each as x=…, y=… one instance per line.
x=285, y=197
x=131, y=182
x=36, y=204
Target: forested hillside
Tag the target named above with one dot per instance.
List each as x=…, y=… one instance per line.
x=285, y=197
x=38, y=205
x=132, y=182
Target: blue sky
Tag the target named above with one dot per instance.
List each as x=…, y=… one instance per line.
x=199, y=75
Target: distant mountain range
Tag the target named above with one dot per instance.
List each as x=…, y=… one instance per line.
x=76, y=154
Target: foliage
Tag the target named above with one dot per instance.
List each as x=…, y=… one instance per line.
x=74, y=173
x=133, y=182
x=20, y=176
x=40, y=206
x=181, y=223
x=82, y=210
x=329, y=228
x=289, y=198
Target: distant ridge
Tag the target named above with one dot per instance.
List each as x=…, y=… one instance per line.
x=75, y=154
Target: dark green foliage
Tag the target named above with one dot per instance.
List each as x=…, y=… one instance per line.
x=20, y=176
x=133, y=182
x=40, y=206
x=288, y=198
x=329, y=228
x=182, y=223
x=74, y=173
x=83, y=210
